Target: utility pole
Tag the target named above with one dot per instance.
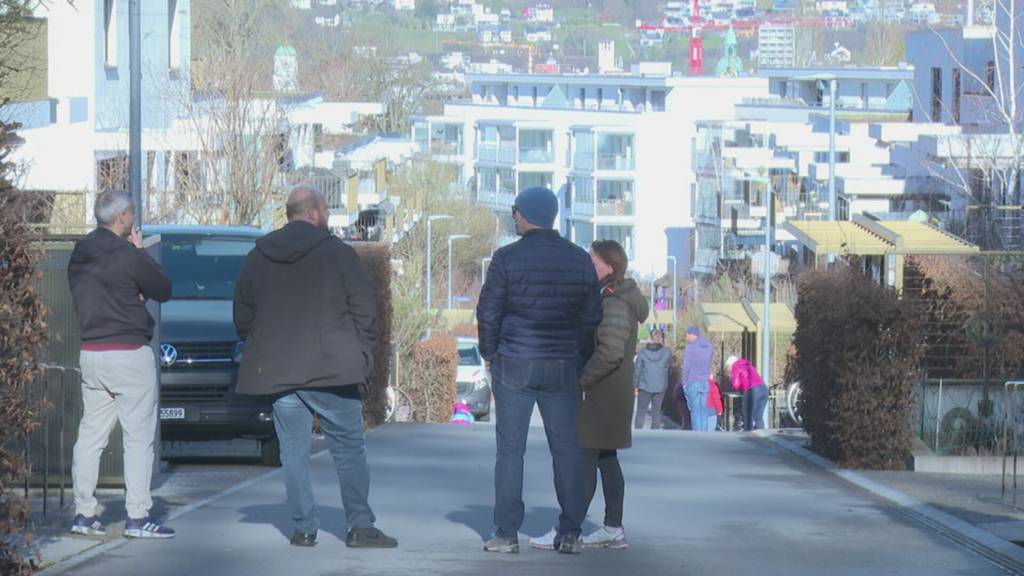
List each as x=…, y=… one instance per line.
x=430, y=221
x=135, y=108
x=832, y=200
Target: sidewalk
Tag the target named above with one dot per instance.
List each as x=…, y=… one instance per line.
x=971, y=506
x=696, y=503
x=175, y=489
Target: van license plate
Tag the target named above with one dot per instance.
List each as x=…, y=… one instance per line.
x=172, y=413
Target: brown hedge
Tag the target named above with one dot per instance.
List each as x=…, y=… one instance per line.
x=435, y=362
x=857, y=352
x=22, y=337
x=376, y=258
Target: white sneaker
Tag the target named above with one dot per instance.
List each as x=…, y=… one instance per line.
x=606, y=537
x=545, y=542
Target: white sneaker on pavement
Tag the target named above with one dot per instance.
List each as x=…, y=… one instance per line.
x=606, y=537
x=545, y=542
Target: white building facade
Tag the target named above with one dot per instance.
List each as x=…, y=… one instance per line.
x=616, y=149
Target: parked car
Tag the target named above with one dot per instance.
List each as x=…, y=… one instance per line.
x=472, y=383
x=199, y=348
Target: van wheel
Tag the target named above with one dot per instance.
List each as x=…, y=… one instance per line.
x=270, y=452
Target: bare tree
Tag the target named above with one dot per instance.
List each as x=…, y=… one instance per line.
x=884, y=43
x=237, y=121
x=983, y=162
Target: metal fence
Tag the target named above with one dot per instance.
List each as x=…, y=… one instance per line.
x=57, y=392
x=963, y=417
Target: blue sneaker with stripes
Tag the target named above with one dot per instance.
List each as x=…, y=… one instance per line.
x=88, y=526
x=146, y=528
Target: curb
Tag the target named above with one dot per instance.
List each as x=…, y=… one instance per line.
x=1000, y=552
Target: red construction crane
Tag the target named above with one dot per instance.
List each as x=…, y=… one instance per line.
x=698, y=25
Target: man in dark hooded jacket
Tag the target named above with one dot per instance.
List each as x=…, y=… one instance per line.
x=305, y=307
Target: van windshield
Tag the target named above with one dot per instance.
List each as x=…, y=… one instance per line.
x=204, y=268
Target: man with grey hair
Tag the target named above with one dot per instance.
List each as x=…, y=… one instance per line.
x=111, y=278
x=305, y=307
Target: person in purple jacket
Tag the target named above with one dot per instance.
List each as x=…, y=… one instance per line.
x=696, y=373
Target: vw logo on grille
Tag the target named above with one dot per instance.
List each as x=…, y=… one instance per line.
x=168, y=354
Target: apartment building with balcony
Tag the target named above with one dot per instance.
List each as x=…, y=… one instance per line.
x=783, y=141
x=964, y=86
x=616, y=149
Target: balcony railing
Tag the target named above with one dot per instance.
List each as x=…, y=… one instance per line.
x=615, y=162
x=495, y=200
x=583, y=160
x=620, y=207
x=536, y=155
x=446, y=148
x=583, y=208
x=496, y=153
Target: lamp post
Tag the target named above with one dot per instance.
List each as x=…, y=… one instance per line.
x=430, y=221
x=452, y=238
x=483, y=270
x=675, y=295
x=832, y=200
x=135, y=107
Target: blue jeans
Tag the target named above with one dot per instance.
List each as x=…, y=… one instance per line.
x=754, y=402
x=341, y=420
x=518, y=385
x=697, y=401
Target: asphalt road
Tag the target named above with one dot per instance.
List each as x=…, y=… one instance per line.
x=696, y=504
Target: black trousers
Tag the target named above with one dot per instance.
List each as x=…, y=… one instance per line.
x=612, y=483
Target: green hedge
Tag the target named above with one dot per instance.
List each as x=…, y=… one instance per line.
x=857, y=352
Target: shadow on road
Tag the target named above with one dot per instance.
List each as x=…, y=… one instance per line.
x=332, y=520
x=480, y=519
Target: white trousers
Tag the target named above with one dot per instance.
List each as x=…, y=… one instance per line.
x=117, y=386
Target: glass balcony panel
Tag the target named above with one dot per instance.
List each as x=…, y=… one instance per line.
x=615, y=198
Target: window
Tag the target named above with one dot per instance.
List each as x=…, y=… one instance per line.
x=204, y=268
x=110, y=33
x=529, y=180
x=583, y=150
x=658, y=100
x=536, y=146
x=173, y=36
x=615, y=198
x=841, y=157
x=112, y=172
x=936, y=94
x=956, y=95
x=621, y=234
x=990, y=76
x=615, y=152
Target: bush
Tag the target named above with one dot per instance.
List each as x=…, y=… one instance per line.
x=377, y=260
x=22, y=337
x=435, y=362
x=856, y=356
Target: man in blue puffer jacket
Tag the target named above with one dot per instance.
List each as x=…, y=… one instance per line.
x=537, y=315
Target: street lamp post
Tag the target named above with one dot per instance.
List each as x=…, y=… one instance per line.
x=452, y=238
x=483, y=270
x=832, y=200
x=675, y=295
x=766, y=344
x=135, y=107
x=430, y=221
